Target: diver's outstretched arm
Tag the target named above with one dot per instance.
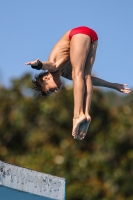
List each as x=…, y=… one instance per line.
x=102, y=83
x=37, y=64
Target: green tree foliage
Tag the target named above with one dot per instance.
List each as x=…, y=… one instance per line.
x=36, y=133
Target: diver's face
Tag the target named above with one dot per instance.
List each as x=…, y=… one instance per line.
x=53, y=84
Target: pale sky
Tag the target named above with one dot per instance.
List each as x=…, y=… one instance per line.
x=30, y=28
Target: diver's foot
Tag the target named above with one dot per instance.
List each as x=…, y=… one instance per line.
x=83, y=128
x=76, y=123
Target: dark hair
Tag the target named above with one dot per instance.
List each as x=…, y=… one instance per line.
x=39, y=84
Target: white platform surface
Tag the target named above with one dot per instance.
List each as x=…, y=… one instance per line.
x=17, y=183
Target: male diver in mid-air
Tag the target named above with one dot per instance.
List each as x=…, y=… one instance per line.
x=73, y=57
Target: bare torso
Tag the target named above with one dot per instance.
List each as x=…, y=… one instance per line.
x=60, y=54
x=66, y=71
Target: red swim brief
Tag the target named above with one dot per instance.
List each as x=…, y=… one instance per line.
x=84, y=30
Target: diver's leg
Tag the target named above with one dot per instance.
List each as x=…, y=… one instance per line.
x=88, y=89
x=79, y=48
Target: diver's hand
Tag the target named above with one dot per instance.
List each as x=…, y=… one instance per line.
x=122, y=88
x=33, y=63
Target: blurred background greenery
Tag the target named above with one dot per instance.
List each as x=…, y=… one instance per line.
x=36, y=133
